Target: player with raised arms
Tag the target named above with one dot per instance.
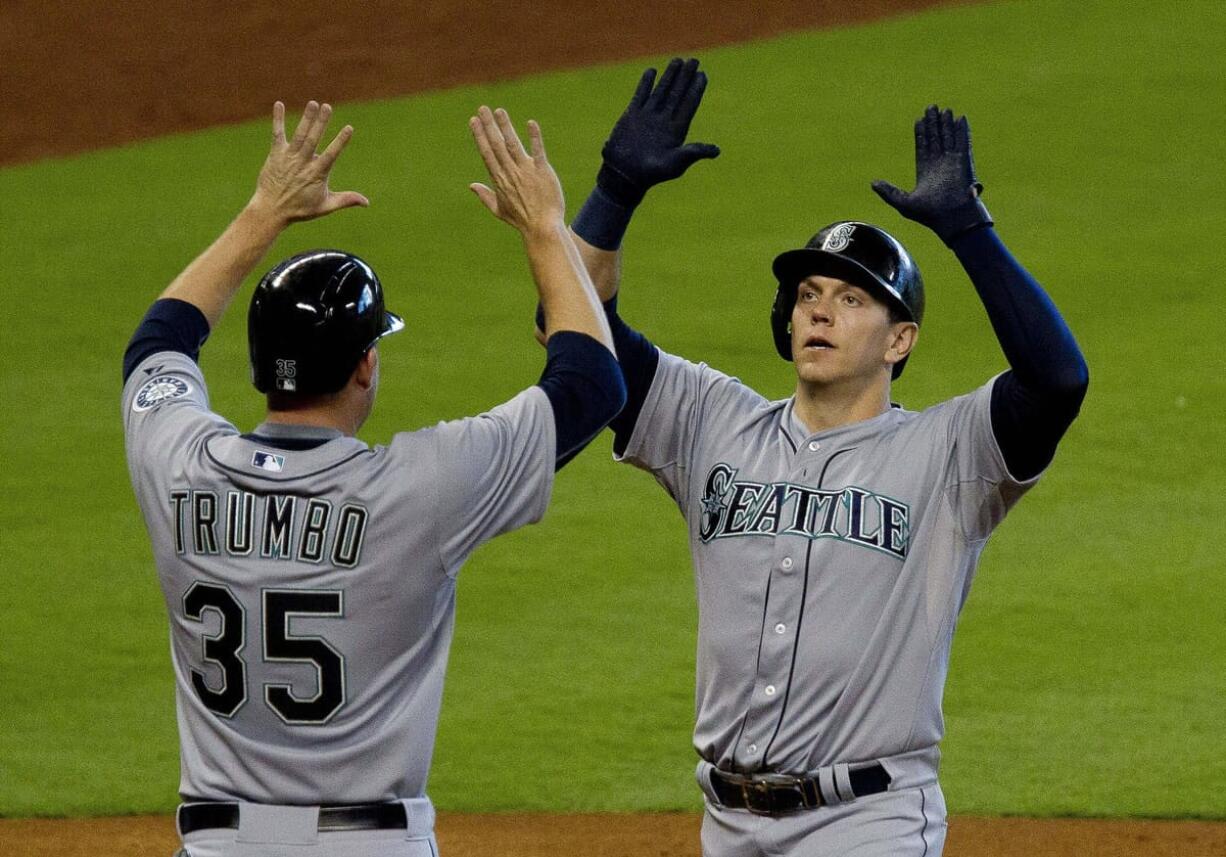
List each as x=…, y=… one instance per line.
x=309, y=579
x=834, y=535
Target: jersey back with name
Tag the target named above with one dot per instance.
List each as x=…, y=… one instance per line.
x=309, y=581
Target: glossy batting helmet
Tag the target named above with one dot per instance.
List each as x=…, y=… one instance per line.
x=312, y=318
x=854, y=252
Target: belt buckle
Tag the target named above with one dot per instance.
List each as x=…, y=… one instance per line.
x=751, y=791
x=759, y=790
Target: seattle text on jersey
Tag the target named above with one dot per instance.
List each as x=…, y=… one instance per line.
x=854, y=515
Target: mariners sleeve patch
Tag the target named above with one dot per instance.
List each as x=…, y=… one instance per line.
x=158, y=390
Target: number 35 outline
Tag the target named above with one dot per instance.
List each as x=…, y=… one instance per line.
x=224, y=649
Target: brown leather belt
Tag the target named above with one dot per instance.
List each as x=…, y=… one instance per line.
x=371, y=816
x=775, y=794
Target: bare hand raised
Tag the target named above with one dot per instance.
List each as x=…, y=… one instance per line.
x=526, y=192
x=293, y=184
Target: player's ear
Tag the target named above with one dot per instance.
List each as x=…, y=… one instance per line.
x=366, y=370
x=903, y=336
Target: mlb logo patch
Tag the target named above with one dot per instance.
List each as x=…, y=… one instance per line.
x=269, y=461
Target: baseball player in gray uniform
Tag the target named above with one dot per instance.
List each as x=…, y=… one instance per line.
x=834, y=535
x=309, y=579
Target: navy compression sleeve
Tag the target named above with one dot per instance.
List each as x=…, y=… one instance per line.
x=585, y=388
x=638, y=359
x=170, y=325
x=1035, y=402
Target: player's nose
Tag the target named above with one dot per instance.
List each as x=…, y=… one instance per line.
x=820, y=311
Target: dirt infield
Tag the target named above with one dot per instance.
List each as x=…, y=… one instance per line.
x=82, y=76
x=78, y=77
x=651, y=835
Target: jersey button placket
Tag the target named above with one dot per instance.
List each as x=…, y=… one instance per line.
x=774, y=664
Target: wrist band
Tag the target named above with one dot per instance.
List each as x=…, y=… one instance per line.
x=602, y=222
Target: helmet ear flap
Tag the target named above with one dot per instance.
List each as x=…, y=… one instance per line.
x=781, y=320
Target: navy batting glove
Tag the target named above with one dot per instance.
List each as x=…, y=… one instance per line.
x=647, y=145
x=946, y=196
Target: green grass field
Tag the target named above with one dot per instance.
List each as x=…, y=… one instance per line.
x=1089, y=671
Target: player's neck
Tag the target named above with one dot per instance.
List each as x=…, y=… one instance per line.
x=324, y=416
x=825, y=406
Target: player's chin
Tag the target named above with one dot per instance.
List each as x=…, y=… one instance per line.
x=812, y=372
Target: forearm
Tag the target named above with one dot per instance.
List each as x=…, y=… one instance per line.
x=603, y=266
x=211, y=280
x=1033, y=335
x=638, y=358
x=566, y=293
x=599, y=228
x=585, y=388
x=1033, y=404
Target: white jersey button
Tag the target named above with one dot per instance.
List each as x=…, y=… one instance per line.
x=780, y=628
x=787, y=562
x=814, y=446
x=770, y=690
x=753, y=748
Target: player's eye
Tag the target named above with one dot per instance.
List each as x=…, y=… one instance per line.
x=851, y=300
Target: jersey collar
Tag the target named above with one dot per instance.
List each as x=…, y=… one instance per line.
x=796, y=430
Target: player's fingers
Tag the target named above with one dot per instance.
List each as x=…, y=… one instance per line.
x=345, y=199
x=694, y=152
x=962, y=134
x=316, y=132
x=536, y=141
x=962, y=131
x=685, y=76
x=304, y=125
x=329, y=155
x=497, y=144
x=278, y=122
x=483, y=145
x=644, y=88
x=689, y=104
x=659, y=95
x=948, y=143
x=515, y=146
x=488, y=198
x=931, y=133
x=895, y=197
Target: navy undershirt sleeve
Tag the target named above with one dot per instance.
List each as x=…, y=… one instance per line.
x=169, y=325
x=585, y=388
x=638, y=359
x=1035, y=402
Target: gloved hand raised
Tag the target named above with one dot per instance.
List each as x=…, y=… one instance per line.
x=647, y=145
x=946, y=196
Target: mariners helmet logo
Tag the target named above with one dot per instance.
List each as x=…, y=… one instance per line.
x=158, y=390
x=839, y=238
x=287, y=370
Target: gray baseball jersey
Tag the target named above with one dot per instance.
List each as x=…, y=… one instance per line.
x=830, y=567
x=311, y=591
